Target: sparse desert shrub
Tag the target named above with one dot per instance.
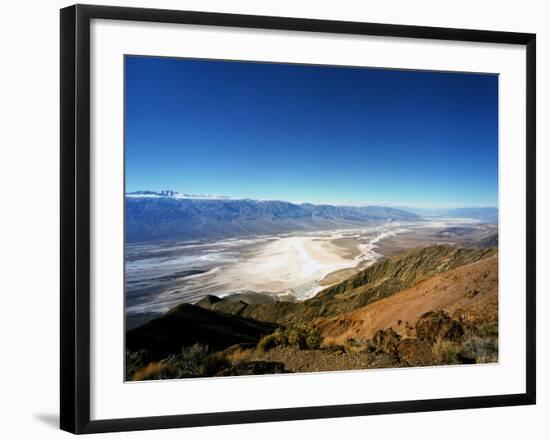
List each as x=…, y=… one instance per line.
x=355, y=344
x=150, y=372
x=296, y=337
x=314, y=339
x=370, y=346
x=214, y=363
x=333, y=346
x=300, y=336
x=281, y=336
x=268, y=342
x=136, y=361
x=238, y=353
x=193, y=361
x=166, y=368
x=190, y=361
x=446, y=352
x=386, y=341
x=194, y=352
x=304, y=337
x=482, y=350
x=485, y=329
x=451, y=331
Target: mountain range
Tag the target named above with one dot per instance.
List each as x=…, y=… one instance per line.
x=485, y=214
x=167, y=215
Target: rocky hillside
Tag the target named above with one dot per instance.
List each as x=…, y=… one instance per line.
x=428, y=306
x=460, y=291
x=374, y=283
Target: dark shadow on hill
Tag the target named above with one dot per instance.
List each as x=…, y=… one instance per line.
x=187, y=324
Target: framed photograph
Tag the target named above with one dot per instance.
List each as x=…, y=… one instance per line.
x=268, y=218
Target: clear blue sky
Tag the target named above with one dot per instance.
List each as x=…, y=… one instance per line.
x=311, y=133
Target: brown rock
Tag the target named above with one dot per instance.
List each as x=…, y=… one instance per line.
x=451, y=330
x=415, y=352
x=437, y=325
x=386, y=341
x=382, y=360
x=254, y=368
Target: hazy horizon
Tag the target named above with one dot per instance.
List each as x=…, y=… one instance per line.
x=363, y=203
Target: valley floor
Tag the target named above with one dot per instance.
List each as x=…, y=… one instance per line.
x=427, y=306
x=285, y=267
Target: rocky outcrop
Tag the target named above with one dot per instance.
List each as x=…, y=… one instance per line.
x=438, y=325
x=386, y=341
x=415, y=352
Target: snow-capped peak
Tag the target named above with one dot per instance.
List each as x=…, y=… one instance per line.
x=175, y=195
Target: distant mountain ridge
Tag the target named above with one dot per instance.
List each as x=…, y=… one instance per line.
x=485, y=214
x=176, y=195
x=168, y=215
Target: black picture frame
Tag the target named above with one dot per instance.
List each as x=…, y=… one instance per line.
x=75, y=217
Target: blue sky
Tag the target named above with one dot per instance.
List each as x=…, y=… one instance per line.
x=311, y=133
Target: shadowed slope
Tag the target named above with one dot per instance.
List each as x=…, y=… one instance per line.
x=188, y=324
